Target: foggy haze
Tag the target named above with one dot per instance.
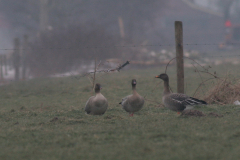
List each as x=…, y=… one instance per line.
x=63, y=34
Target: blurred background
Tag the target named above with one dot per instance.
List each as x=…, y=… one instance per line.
x=58, y=37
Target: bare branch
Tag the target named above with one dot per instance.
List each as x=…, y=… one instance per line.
x=126, y=63
x=199, y=76
x=187, y=58
x=94, y=75
x=203, y=82
x=169, y=63
x=107, y=70
x=99, y=64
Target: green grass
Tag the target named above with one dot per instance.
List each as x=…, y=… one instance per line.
x=28, y=129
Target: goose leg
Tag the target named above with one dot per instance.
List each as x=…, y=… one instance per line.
x=178, y=112
x=131, y=115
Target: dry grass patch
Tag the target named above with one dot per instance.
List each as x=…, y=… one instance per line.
x=224, y=92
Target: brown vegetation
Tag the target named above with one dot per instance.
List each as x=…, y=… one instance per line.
x=224, y=92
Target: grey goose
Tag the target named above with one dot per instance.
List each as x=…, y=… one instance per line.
x=176, y=101
x=134, y=102
x=98, y=104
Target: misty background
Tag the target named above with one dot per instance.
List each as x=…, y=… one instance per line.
x=63, y=36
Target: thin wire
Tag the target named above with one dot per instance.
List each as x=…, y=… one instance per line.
x=126, y=46
x=223, y=56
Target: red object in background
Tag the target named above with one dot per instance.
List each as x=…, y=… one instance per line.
x=228, y=23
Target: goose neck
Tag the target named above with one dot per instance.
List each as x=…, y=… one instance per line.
x=97, y=92
x=134, y=89
x=166, y=87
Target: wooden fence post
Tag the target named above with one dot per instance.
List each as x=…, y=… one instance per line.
x=24, y=54
x=121, y=27
x=179, y=56
x=43, y=16
x=16, y=58
x=5, y=64
x=1, y=66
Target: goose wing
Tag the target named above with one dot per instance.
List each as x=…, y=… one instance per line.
x=125, y=100
x=185, y=100
x=178, y=98
x=88, y=105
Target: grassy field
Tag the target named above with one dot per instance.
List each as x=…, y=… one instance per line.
x=45, y=119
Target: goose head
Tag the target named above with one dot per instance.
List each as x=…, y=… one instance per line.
x=163, y=76
x=134, y=82
x=97, y=88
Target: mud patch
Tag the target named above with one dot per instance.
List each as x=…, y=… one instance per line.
x=194, y=113
x=214, y=115
x=54, y=119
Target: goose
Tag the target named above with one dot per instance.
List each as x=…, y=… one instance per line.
x=98, y=104
x=134, y=102
x=176, y=101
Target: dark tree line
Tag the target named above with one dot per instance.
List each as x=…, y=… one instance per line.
x=73, y=25
x=138, y=16
x=64, y=50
